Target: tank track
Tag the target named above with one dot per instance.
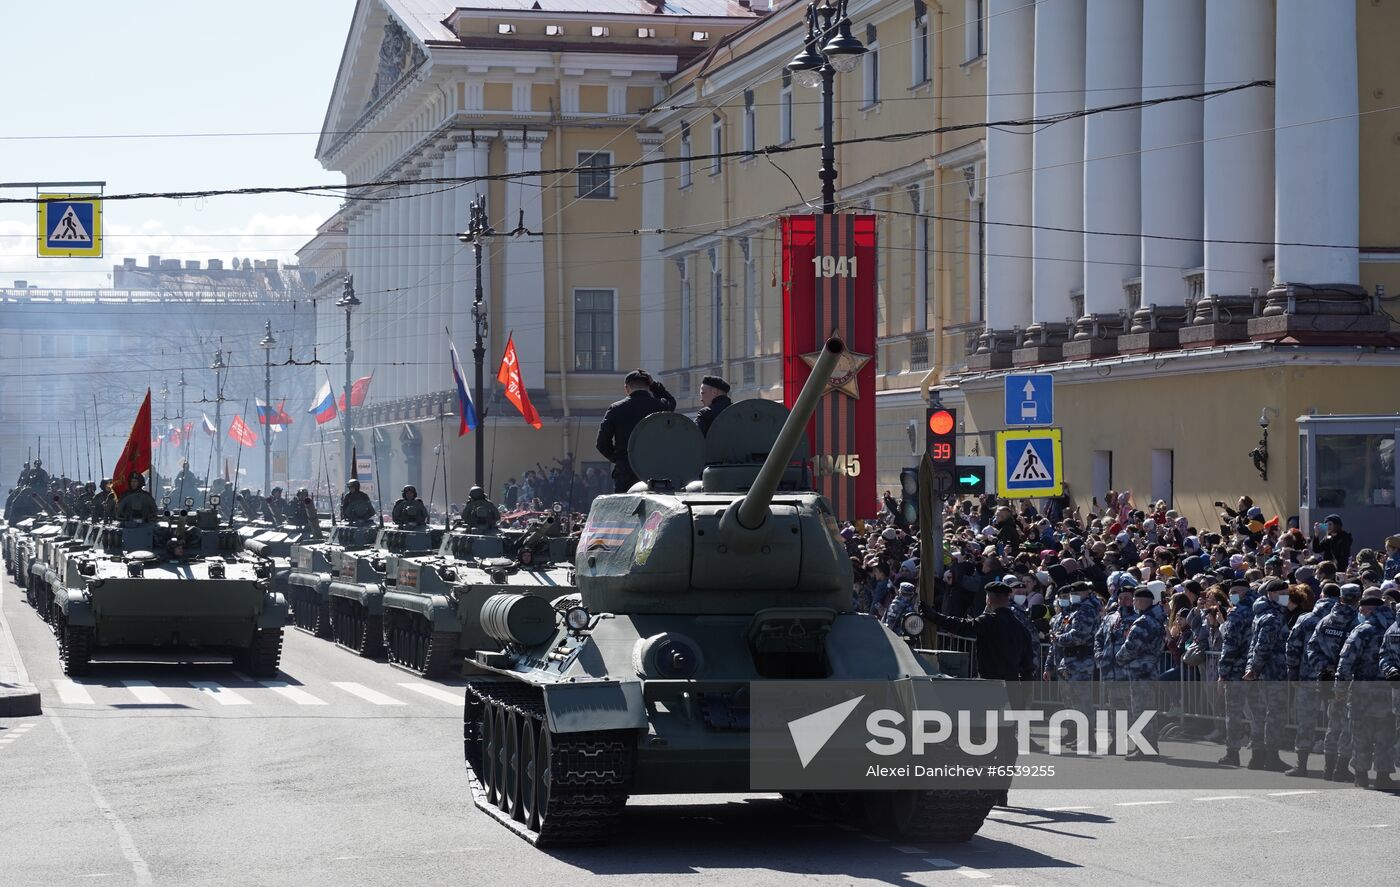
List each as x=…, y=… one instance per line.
x=585, y=778
x=308, y=613
x=355, y=630
x=263, y=657
x=940, y=817
x=75, y=646
x=410, y=643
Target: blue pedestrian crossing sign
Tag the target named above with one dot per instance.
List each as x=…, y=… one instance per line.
x=1030, y=399
x=1029, y=463
x=70, y=225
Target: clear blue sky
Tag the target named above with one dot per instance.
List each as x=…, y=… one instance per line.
x=141, y=67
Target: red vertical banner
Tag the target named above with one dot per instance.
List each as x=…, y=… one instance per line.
x=829, y=283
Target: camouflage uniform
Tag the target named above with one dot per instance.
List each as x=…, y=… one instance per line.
x=1141, y=658
x=1321, y=653
x=1072, y=651
x=1025, y=619
x=1235, y=634
x=1390, y=670
x=1267, y=664
x=1108, y=640
x=1306, y=693
x=903, y=604
x=1368, y=700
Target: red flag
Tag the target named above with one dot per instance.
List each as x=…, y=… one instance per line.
x=175, y=436
x=509, y=376
x=242, y=432
x=359, y=390
x=136, y=455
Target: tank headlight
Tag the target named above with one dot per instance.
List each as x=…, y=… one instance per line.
x=577, y=618
x=912, y=625
x=189, y=501
x=214, y=499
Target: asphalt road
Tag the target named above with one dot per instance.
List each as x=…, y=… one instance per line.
x=350, y=772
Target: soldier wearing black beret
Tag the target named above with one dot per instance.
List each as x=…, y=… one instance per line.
x=714, y=394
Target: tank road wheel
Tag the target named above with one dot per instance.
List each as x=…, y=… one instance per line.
x=544, y=777
x=951, y=817
x=488, y=752
x=471, y=731
x=499, y=719
x=528, y=811
x=510, y=790
x=261, y=659
x=371, y=635
x=75, y=646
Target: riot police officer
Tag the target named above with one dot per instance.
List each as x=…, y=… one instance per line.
x=1322, y=654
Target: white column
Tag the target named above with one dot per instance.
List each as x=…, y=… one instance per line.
x=435, y=346
x=1059, y=156
x=1173, y=62
x=522, y=308
x=415, y=341
x=472, y=153
x=1010, y=96
x=1316, y=143
x=1112, y=202
x=652, y=281
x=1239, y=157
x=379, y=248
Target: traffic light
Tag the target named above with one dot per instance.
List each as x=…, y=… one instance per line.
x=909, y=496
x=942, y=436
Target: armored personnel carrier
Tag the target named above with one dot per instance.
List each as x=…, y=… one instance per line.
x=275, y=541
x=357, y=591
x=51, y=554
x=690, y=592
x=432, y=601
x=313, y=564
x=174, y=584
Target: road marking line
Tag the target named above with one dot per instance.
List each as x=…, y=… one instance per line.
x=366, y=693
x=139, y=869
x=1306, y=791
x=295, y=694
x=222, y=695
x=1223, y=798
x=940, y=863
x=1064, y=809
x=971, y=873
x=147, y=693
x=436, y=693
x=71, y=693
x=1380, y=825
x=1140, y=803
x=905, y=849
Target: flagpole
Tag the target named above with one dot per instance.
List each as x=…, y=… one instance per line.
x=238, y=466
x=97, y=423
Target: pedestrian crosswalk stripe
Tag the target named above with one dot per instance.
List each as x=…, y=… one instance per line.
x=70, y=693
x=437, y=693
x=365, y=693
x=147, y=693
x=221, y=695
x=295, y=694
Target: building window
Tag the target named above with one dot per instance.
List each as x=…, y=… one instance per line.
x=975, y=29
x=505, y=29
x=598, y=31
x=685, y=155
x=595, y=174
x=920, y=45
x=750, y=374
x=871, y=68
x=750, y=124
x=1162, y=470
x=48, y=346
x=785, y=109
x=716, y=307
x=687, y=305
x=80, y=346
x=593, y=330
x=751, y=308
x=922, y=228
x=1102, y=473
x=716, y=145
x=646, y=33
x=554, y=30
x=699, y=36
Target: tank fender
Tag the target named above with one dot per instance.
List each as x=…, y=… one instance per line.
x=274, y=610
x=443, y=611
x=595, y=705
x=77, y=609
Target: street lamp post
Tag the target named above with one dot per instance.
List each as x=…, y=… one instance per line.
x=830, y=48
x=478, y=230
x=348, y=301
x=184, y=438
x=267, y=343
x=165, y=417
x=218, y=367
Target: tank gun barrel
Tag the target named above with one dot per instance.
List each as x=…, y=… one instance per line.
x=536, y=532
x=752, y=510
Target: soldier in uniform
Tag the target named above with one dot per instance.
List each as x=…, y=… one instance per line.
x=1109, y=638
x=137, y=504
x=479, y=514
x=1266, y=669
x=1322, y=653
x=619, y=420
x=1072, y=648
x=906, y=601
x=38, y=477
x=1140, y=657
x=104, y=506
x=1234, y=650
x=714, y=394
x=1368, y=700
x=355, y=507
x=1303, y=679
x=274, y=506
x=1390, y=668
x=410, y=511
x=185, y=485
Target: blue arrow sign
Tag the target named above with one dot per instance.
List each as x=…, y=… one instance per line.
x=1030, y=399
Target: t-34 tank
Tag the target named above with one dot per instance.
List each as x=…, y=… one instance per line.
x=431, y=606
x=313, y=564
x=357, y=591
x=175, y=584
x=689, y=594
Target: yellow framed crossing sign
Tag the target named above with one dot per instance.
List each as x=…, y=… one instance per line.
x=70, y=225
x=1029, y=463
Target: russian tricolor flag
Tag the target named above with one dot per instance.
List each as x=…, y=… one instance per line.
x=465, y=408
x=323, y=407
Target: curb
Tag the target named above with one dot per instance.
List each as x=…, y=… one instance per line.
x=18, y=697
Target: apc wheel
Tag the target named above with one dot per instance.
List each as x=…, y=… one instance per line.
x=489, y=753
x=528, y=811
x=510, y=790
